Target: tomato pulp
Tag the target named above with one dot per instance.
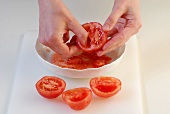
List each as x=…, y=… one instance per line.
x=77, y=98
x=105, y=86
x=96, y=37
x=82, y=61
x=50, y=86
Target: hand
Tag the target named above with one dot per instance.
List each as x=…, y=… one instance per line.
x=54, y=24
x=123, y=22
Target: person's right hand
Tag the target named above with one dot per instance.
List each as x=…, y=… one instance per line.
x=55, y=22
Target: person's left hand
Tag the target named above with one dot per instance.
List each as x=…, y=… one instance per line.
x=123, y=22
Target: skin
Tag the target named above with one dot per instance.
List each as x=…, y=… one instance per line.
x=123, y=22
x=56, y=20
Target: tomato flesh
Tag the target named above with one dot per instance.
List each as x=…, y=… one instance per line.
x=96, y=38
x=99, y=63
x=105, y=86
x=74, y=60
x=72, y=41
x=77, y=98
x=50, y=86
x=82, y=61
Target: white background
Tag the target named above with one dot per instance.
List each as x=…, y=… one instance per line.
x=18, y=16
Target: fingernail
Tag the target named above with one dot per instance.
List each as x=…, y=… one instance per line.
x=83, y=43
x=104, y=47
x=106, y=27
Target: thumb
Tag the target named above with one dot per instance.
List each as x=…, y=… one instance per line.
x=79, y=31
x=116, y=13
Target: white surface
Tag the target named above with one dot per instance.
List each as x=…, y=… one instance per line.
x=18, y=16
x=24, y=98
x=154, y=43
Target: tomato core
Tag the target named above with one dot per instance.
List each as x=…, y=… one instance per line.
x=50, y=85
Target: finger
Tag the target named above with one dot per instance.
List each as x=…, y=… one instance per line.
x=120, y=25
x=41, y=37
x=117, y=28
x=110, y=45
x=100, y=53
x=118, y=40
x=112, y=48
x=79, y=31
x=74, y=50
x=43, y=41
x=116, y=13
x=112, y=32
x=130, y=29
x=123, y=36
x=56, y=43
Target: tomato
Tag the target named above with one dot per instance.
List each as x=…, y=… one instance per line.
x=72, y=41
x=81, y=61
x=74, y=60
x=50, y=86
x=106, y=58
x=105, y=86
x=77, y=98
x=96, y=38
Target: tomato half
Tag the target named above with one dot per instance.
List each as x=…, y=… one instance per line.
x=105, y=86
x=77, y=98
x=96, y=37
x=50, y=86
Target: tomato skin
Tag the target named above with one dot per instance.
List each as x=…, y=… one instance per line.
x=105, y=86
x=77, y=98
x=96, y=38
x=50, y=86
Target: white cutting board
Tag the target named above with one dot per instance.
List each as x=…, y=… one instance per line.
x=24, y=98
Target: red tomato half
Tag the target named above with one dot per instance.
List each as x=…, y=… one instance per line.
x=77, y=98
x=50, y=86
x=96, y=38
x=105, y=86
